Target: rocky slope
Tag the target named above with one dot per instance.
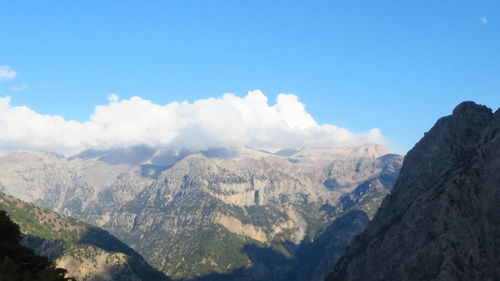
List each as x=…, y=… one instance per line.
x=19, y=263
x=220, y=210
x=442, y=220
x=86, y=252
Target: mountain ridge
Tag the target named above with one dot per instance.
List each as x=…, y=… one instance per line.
x=188, y=218
x=441, y=220
x=88, y=253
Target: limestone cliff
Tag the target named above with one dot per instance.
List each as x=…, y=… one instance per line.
x=442, y=220
x=193, y=213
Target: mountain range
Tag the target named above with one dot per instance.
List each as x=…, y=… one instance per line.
x=219, y=214
x=237, y=213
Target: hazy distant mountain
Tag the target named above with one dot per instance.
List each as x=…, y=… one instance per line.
x=218, y=214
x=85, y=251
x=442, y=220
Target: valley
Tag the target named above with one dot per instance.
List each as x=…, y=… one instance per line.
x=236, y=213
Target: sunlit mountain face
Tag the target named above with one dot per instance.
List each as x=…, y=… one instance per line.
x=223, y=212
x=249, y=140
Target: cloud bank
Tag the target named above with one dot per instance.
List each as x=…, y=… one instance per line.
x=226, y=121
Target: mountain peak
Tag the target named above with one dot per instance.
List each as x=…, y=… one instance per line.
x=470, y=106
x=441, y=220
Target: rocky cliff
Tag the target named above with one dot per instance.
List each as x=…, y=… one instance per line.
x=220, y=211
x=442, y=220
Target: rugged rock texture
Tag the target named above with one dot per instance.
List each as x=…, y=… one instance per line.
x=86, y=252
x=442, y=220
x=218, y=210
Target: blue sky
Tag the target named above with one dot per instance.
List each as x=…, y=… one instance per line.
x=359, y=64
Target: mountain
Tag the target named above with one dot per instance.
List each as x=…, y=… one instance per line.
x=18, y=263
x=225, y=213
x=442, y=220
x=85, y=251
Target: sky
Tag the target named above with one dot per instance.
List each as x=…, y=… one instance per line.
x=102, y=74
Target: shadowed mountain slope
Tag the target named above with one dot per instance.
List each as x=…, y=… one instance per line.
x=18, y=263
x=442, y=220
x=87, y=252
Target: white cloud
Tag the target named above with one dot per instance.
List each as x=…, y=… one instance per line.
x=484, y=20
x=226, y=121
x=6, y=73
x=19, y=88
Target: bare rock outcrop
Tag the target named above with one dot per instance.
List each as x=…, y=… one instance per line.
x=193, y=213
x=442, y=220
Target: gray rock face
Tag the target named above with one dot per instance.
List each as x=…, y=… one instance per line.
x=243, y=213
x=442, y=220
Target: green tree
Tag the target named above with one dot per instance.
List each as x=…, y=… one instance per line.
x=18, y=263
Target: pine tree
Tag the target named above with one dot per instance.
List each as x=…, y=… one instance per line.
x=18, y=263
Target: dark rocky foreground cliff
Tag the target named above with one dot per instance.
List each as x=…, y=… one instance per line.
x=442, y=220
